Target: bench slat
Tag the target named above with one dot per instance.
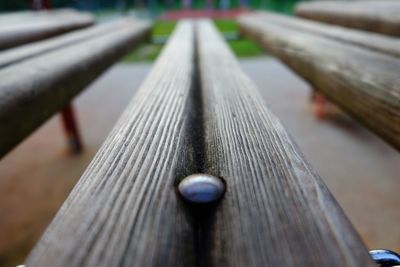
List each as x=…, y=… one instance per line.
x=25, y=27
x=23, y=52
x=364, y=83
x=377, y=42
x=33, y=90
x=276, y=211
x=375, y=16
x=21, y=17
x=124, y=210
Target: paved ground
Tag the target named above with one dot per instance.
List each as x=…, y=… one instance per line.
x=361, y=170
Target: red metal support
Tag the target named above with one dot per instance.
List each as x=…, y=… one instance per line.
x=320, y=105
x=71, y=129
x=67, y=114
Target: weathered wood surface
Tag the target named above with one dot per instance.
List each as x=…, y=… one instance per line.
x=21, y=17
x=23, y=52
x=43, y=14
x=364, y=83
x=375, y=16
x=124, y=210
x=26, y=27
x=33, y=90
x=377, y=42
x=197, y=112
x=276, y=211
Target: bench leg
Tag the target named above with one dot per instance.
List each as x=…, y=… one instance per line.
x=71, y=129
x=313, y=94
x=320, y=105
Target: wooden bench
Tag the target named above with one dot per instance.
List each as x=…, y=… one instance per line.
x=23, y=52
x=198, y=112
x=40, y=79
x=363, y=82
x=25, y=27
x=377, y=42
x=375, y=16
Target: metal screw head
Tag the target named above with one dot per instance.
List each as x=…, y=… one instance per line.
x=201, y=188
x=385, y=258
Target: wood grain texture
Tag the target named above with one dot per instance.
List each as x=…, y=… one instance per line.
x=26, y=27
x=124, y=211
x=23, y=52
x=376, y=42
x=375, y=16
x=364, y=83
x=33, y=90
x=276, y=211
x=197, y=111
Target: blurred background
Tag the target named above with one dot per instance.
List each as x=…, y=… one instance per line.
x=360, y=169
x=154, y=6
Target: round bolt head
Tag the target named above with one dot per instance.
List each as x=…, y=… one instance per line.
x=201, y=188
x=385, y=257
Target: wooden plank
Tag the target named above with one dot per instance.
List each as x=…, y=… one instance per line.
x=276, y=211
x=29, y=27
x=23, y=52
x=43, y=14
x=375, y=16
x=21, y=17
x=33, y=90
x=377, y=42
x=124, y=210
x=364, y=83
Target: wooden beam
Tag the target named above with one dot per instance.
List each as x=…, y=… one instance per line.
x=376, y=42
x=364, y=83
x=375, y=16
x=124, y=211
x=33, y=90
x=26, y=27
x=23, y=52
x=276, y=210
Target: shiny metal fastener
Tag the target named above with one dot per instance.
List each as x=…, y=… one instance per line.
x=385, y=258
x=201, y=188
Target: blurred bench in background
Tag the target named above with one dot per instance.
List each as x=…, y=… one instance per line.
x=377, y=42
x=28, y=26
x=358, y=71
x=40, y=79
x=375, y=16
x=24, y=52
x=198, y=112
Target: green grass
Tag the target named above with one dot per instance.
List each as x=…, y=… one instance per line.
x=243, y=48
x=163, y=28
x=150, y=51
x=146, y=52
x=240, y=46
x=226, y=25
